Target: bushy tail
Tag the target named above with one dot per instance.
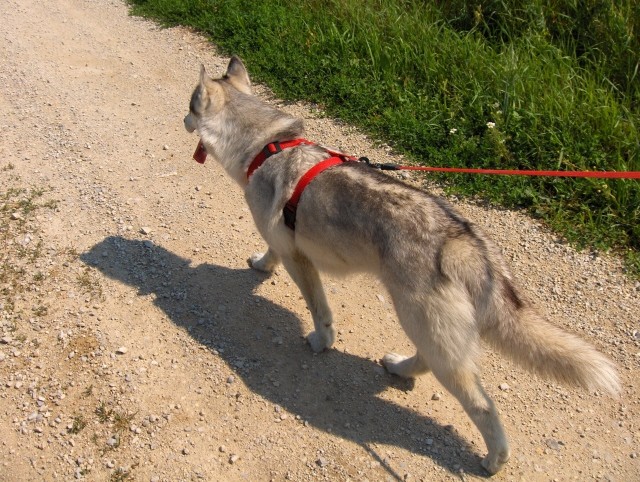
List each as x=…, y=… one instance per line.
x=519, y=332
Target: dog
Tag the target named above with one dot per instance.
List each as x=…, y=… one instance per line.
x=449, y=283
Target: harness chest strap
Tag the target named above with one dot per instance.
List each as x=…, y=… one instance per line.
x=290, y=208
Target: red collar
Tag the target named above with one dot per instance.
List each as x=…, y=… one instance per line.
x=271, y=149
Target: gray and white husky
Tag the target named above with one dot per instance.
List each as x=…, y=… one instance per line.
x=448, y=282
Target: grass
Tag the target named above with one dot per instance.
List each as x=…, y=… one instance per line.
x=89, y=284
x=77, y=425
x=17, y=219
x=557, y=79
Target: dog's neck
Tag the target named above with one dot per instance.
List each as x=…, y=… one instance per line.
x=234, y=143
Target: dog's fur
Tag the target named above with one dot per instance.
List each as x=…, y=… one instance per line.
x=448, y=281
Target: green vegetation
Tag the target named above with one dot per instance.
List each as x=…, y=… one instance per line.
x=539, y=84
x=77, y=425
x=18, y=253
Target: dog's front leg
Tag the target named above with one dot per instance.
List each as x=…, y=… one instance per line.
x=306, y=276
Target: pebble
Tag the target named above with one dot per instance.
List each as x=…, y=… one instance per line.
x=16, y=216
x=121, y=351
x=436, y=396
x=322, y=462
x=6, y=340
x=552, y=444
x=504, y=387
x=112, y=442
x=145, y=230
x=234, y=458
x=231, y=379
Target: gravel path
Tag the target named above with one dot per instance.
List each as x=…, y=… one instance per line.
x=135, y=344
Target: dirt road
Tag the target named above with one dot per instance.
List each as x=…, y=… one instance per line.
x=137, y=345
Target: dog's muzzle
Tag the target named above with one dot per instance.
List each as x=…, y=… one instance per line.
x=189, y=123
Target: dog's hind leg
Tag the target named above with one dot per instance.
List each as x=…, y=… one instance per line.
x=265, y=262
x=306, y=276
x=441, y=323
x=465, y=385
x=405, y=366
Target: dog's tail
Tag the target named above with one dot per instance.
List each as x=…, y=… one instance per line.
x=518, y=331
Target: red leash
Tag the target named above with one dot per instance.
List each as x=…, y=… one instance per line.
x=336, y=158
x=510, y=172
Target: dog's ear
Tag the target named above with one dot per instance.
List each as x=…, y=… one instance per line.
x=238, y=76
x=207, y=93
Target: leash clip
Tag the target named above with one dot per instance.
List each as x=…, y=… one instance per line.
x=382, y=167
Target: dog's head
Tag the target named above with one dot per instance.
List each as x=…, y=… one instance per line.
x=210, y=95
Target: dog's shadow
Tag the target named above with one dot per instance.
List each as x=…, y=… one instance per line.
x=262, y=343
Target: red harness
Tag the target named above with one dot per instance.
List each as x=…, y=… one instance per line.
x=290, y=208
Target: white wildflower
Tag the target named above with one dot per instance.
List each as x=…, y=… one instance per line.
x=491, y=125
x=453, y=130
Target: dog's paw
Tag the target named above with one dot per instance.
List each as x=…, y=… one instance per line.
x=319, y=342
x=493, y=463
x=261, y=262
x=393, y=363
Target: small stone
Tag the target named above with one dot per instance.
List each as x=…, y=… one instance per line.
x=633, y=455
x=122, y=350
x=552, y=444
x=504, y=387
x=165, y=147
x=6, y=340
x=222, y=449
x=145, y=230
x=234, y=458
x=198, y=188
x=322, y=462
x=231, y=379
x=16, y=216
x=436, y=396
x=185, y=451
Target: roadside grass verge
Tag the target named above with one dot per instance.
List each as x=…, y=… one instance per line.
x=548, y=85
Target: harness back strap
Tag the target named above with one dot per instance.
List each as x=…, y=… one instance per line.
x=271, y=149
x=289, y=210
